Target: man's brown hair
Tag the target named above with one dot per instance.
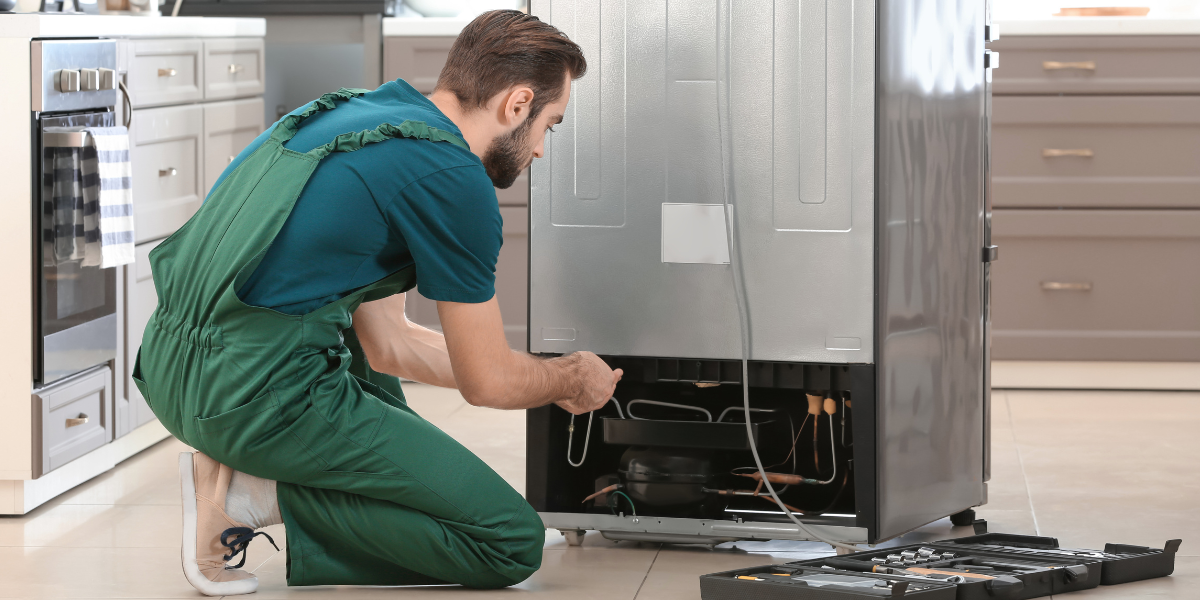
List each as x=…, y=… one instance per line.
x=503, y=48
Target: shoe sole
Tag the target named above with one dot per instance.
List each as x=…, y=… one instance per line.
x=206, y=586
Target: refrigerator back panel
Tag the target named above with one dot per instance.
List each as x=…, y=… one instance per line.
x=684, y=99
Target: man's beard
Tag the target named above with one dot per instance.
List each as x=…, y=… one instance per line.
x=505, y=158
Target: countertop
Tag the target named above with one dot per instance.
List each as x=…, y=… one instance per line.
x=1099, y=26
x=417, y=27
x=57, y=26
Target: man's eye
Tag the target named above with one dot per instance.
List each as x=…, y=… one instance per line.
x=551, y=129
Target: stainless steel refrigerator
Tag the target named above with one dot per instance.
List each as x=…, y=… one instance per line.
x=851, y=139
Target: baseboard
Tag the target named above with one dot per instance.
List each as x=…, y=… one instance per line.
x=19, y=497
x=1095, y=375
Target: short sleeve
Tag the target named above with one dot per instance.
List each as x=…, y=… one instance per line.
x=451, y=223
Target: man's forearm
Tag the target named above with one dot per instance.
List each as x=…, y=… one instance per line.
x=529, y=382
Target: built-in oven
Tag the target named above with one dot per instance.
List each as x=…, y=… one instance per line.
x=74, y=86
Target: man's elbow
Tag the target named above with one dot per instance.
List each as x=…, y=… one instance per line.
x=487, y=395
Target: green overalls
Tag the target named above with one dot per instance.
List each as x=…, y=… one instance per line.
x=370, y=493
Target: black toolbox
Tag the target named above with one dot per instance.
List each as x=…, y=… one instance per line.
x=988, y=566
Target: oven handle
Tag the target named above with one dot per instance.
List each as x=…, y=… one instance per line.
x=64, y=139
x=128, y=111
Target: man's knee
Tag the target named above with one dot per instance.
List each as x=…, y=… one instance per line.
x=520, y=543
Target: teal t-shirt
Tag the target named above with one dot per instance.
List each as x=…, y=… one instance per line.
x=367, y=214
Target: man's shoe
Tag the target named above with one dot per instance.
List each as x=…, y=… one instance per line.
x=210, y=537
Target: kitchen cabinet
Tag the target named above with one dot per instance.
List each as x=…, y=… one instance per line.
x=141, y=300
x=165, y=72
x=1097, y=284
x=419, y=60
x=1096, y=196
x=166, y=154
x=71, y=418
x=228, y=128
x=233, y=68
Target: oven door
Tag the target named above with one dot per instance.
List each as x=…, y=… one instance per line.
x=76, y=306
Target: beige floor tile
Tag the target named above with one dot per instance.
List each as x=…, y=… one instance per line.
x=599, y=569
x=1111, y=466
x=432, y=402
x=1019, y=521
x=151, y=477
x=95, y=526
x=677, y=570
x=56, y=572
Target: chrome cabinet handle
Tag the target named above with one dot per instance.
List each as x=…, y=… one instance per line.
x=1067, y=286
x=168, y=172
x=1054, y=65
x=235, y=69
x=1057, y=152
x=77, y=421
x=166, y=72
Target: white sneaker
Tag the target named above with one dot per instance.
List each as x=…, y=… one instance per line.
x=210, y=537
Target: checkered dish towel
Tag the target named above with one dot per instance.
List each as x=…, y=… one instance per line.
x=109, y=148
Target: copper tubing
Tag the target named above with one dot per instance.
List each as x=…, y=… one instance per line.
x=611, y=488
x=785, y=478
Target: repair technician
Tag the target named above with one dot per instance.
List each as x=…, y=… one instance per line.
x=322, y=223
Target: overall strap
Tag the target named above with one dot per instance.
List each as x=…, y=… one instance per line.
x=349, y=142
x=290, y=124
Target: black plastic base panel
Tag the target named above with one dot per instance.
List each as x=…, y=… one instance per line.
x=552, y=485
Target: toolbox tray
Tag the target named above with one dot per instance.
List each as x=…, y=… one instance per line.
x=1123, y=564
x=726, y=585
x=1047, y=574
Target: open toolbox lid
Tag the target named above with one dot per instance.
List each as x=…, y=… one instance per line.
x=1120, y=563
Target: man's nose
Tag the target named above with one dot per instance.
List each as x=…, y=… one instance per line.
x=537, y=152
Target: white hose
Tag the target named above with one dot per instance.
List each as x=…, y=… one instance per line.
x=735, y=264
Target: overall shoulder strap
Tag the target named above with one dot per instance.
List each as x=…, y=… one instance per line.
x=349, y=142
x=290, y=124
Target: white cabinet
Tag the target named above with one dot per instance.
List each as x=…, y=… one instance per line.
x=228, y=128
x=166, y=156
x=233, y=68
x=141, y=300
x=165, y=72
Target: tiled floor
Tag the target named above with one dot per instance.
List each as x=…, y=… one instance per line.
x=1086, y=467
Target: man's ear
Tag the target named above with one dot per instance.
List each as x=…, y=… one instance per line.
x=517, y=106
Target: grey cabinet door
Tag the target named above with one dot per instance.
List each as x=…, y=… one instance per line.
x=228, y=128
x=233, y=68
x=72, y=418
x=417, y=60
x=1096, y=285
x=141, y=300
x=1113, y=64
x=168, y=172
x=165, y=72
x=1096, y=151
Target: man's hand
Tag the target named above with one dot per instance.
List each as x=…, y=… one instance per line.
x=491, y=374
x=597, y=383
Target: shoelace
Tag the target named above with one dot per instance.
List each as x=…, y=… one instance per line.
x=241, y=540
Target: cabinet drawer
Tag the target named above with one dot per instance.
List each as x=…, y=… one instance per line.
x=1097, y=65
x=417, y=60
x=1096, y=285
x=1096, y=152
x=228, y=128
x=167, y=169
x=73, y=419
x=141, y=298
x=165, y=72
x=233, y=68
